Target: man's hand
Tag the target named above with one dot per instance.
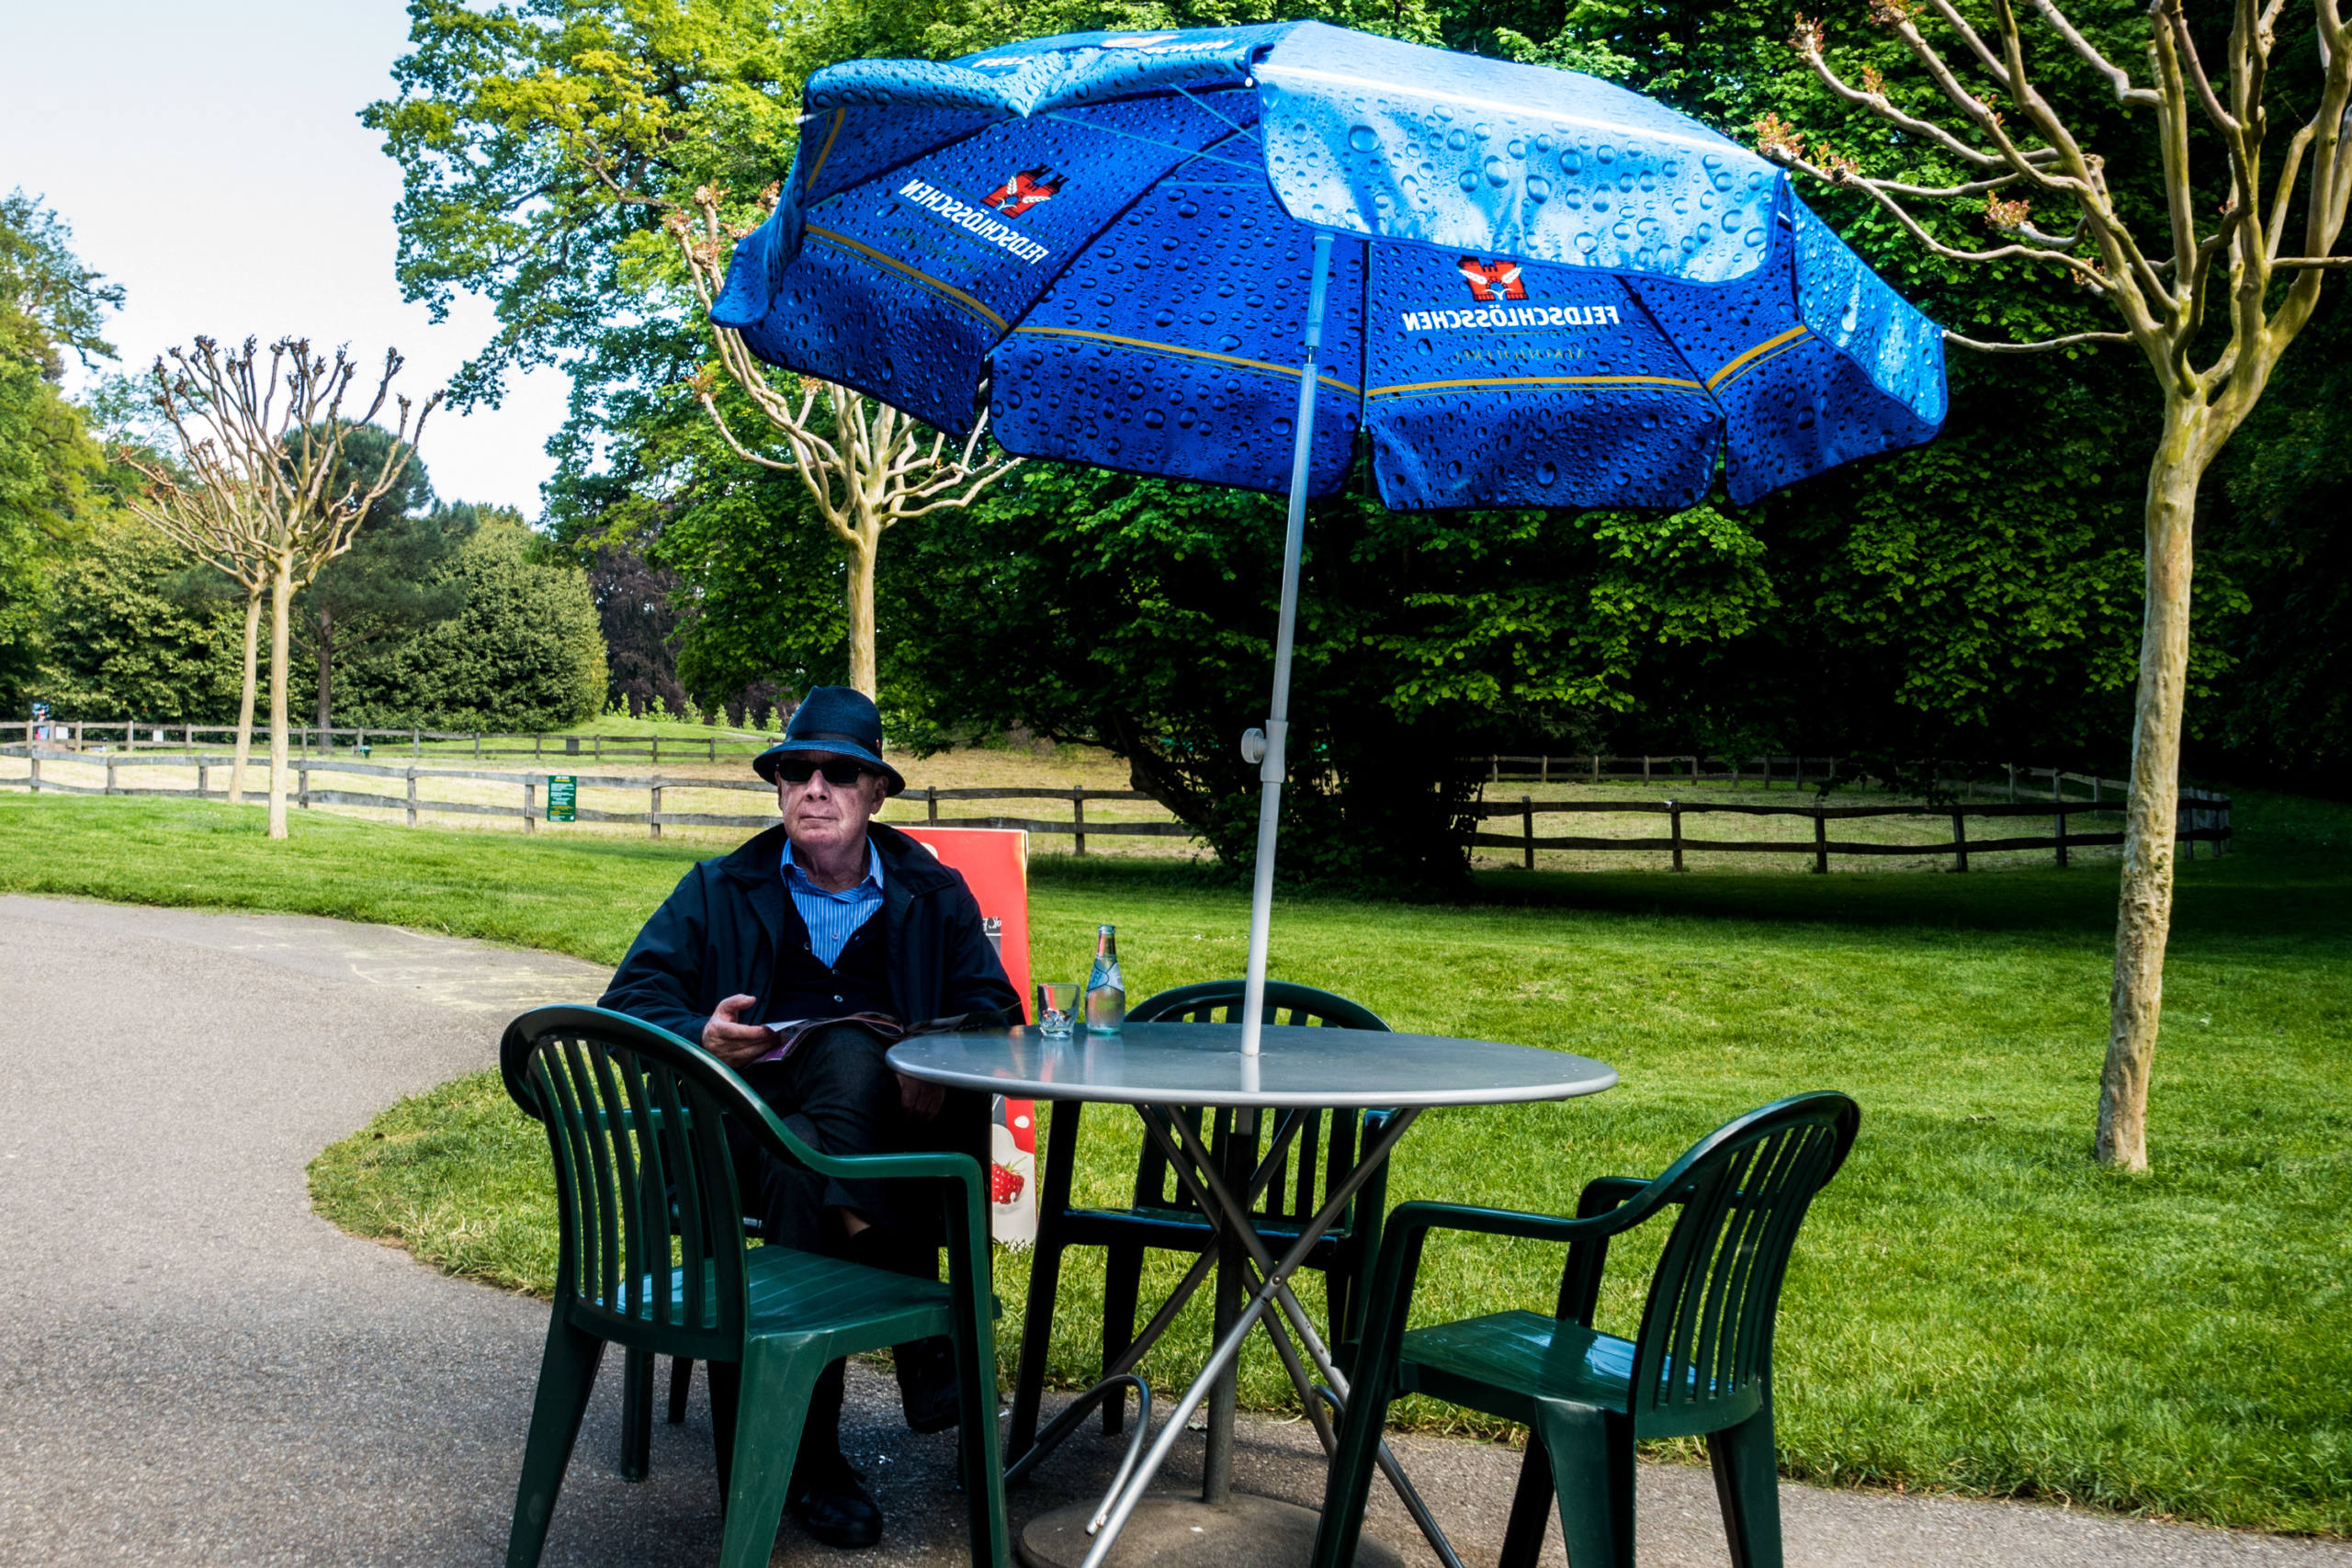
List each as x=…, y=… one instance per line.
x=919, y=1099
x=733, y=1043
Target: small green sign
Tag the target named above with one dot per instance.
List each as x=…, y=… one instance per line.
x=563, y=797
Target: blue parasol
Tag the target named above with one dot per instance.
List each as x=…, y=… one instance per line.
x=1229, y=254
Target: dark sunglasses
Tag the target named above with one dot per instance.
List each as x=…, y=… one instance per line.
x=840, y=775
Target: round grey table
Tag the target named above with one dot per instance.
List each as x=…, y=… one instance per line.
x=1160, y=1069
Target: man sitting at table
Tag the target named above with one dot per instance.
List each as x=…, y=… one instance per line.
x=787, y=928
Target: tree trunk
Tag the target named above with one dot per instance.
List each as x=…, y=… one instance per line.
x=282, y=598
x=245, y=699
x=326, y=676
x=861, y=608
x=2143, y=917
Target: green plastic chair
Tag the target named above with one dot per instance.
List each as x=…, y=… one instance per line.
x=1700, y=1365
x=1165, y=1216
x=654, y=1259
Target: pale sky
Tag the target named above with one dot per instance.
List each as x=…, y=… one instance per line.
x=208, y=156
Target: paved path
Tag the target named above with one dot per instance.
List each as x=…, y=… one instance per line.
x=194, y=1369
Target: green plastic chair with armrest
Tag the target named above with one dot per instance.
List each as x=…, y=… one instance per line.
x=654, y=1259
x=1321, y=1154
x=1700, y=1364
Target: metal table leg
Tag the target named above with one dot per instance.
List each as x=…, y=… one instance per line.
x=1228, y=1346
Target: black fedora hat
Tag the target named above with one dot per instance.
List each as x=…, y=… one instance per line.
x=839, y=721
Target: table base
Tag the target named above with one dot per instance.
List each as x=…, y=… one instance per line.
x=1247, y=1531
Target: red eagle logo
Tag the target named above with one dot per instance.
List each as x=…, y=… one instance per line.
x=1021, y=191
x=1490, y=281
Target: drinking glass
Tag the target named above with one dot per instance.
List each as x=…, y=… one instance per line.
x=1058, y=1004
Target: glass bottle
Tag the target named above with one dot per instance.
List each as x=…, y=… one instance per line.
x=1106, y=995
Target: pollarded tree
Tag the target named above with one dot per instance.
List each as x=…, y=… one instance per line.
x=867, y=466
x=215, y=516
x=2211, y=300
x=265, y=443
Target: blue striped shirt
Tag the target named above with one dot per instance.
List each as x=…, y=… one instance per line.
x=833, y=918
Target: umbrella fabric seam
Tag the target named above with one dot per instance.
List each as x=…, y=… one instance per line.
x=1770, y=348
x=841, y=117
x=946, y=290
x=1185, y=154
x=1678, y=383
x=1150, y=347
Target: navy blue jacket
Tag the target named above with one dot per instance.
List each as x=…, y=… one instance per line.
x=718, y=934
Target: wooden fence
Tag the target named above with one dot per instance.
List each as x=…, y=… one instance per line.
x=530, y=805
x=72, y=735
x=2204, y=818
x=1795, y=772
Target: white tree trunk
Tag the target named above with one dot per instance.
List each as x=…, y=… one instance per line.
x=860, y=590
x=281, y=598
x=2143, y=915
x=245, y=699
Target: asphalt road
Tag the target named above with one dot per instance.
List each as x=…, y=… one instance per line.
x=195, y=1369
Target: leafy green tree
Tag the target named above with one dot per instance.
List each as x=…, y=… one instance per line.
x=1138, y=614
x=125, y=640
x=523, y=653
x=388, y=584
x=50, y=305
x=2285, y=707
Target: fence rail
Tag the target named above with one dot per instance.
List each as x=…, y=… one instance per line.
x=2204, y=818
x=653, y=818
x=134, y=736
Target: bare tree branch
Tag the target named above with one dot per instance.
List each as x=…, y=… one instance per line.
x=874, y=469
x=2041, y=346
x=2125, y=93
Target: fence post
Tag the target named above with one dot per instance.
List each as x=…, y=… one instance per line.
x=657, y=751
x=111, y=775
x=302, y=785
x=1767, y=760
x=2095, y=783
x=1544, y=770
x=415, y=742
x=600, y=746
x=1800, y=770
x=412, y=797
x=713, y=741
x=1674, y=826
x=653, y=818
x=477, y=745
x=1596, y=767
x=930, y=799
x=1645, y=767
x=1820, y=843
x=530, y=806
x=36, y=761
x=2061, y=820
x=1078, y=809
x=539, y=747
x=1527, y=822
x=2013, y=783
x=1960, y=841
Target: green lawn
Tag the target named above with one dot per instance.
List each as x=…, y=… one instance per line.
x=1975, y=1306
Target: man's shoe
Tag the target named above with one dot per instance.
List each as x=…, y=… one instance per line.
x=830, y=1502
x=927, y=1391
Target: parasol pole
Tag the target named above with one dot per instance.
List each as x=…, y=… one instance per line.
x=1269, y=767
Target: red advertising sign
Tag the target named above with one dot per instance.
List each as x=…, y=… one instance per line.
x=995, y=864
